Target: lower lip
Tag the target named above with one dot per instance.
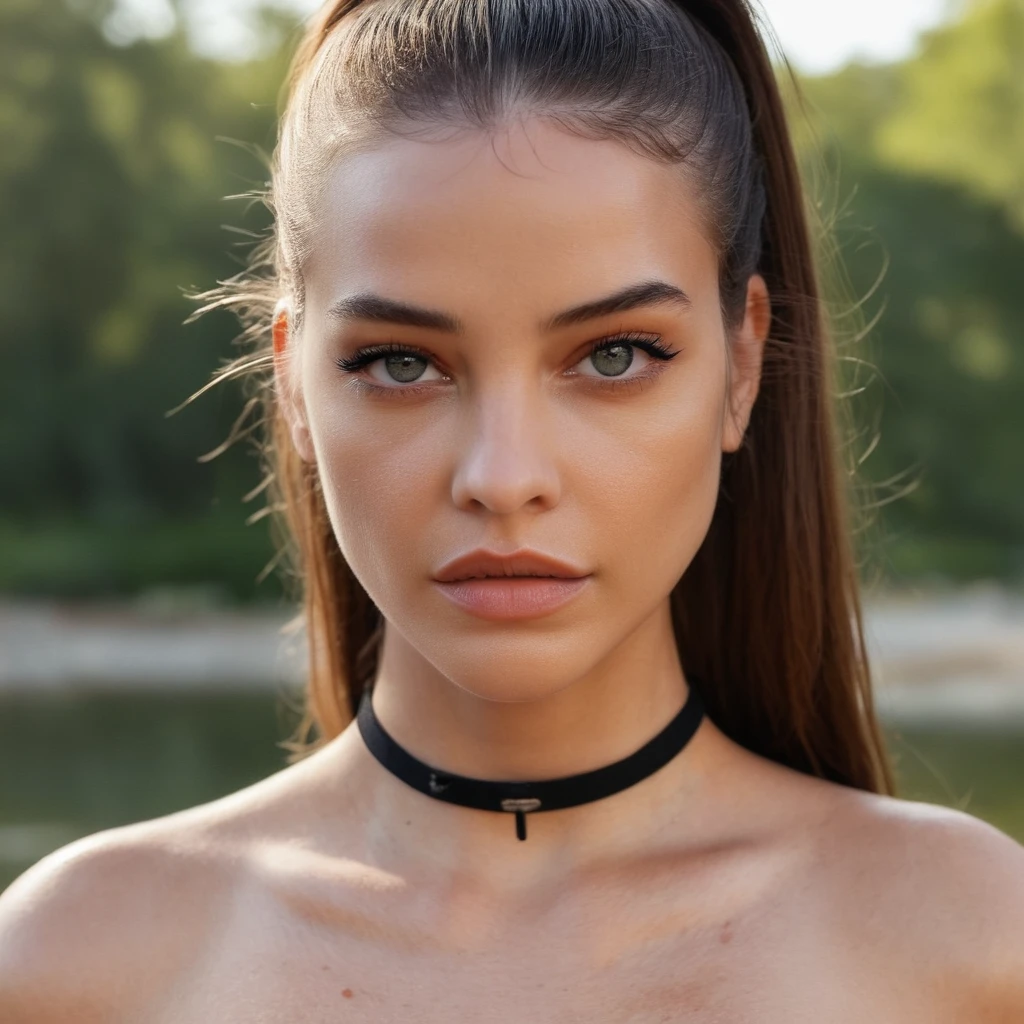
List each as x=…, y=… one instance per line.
x=512, y=597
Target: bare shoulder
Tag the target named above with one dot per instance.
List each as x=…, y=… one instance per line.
x=937, y=889
x=105, y=928
x=102, y=928
x=925, y=898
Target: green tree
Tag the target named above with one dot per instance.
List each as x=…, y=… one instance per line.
x=112, y=179
x=113, y=171
x=961, y=115
x=920, y=167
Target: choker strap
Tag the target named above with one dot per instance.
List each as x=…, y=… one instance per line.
x=521, y=798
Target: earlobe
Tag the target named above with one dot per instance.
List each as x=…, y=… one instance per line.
x=746, y=356
x=290, y=402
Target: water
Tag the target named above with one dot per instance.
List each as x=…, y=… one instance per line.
x=75, y=763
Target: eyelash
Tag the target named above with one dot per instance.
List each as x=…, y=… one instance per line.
x=363, y=357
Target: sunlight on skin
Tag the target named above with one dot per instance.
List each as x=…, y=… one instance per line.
x=514, y=436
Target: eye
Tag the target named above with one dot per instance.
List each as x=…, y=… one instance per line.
x=392, y=364
x=405, y=370
x=612, y=357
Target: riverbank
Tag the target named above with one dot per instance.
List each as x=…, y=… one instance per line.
x=954, y=656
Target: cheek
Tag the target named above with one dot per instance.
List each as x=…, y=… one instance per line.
x=656, y=483
x=377, y=487
x=639, y=481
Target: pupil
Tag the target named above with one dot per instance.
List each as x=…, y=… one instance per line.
x=616, y=359
x=404, y=368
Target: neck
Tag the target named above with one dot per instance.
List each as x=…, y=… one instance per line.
x=570, y=726
x=584, y=723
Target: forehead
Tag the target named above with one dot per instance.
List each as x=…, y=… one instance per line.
x=531, y=215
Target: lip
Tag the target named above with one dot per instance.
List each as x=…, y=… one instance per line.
x=501, y=598
x=524, y=562
x=521, y=585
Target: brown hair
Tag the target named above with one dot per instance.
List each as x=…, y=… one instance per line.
x=768, y=613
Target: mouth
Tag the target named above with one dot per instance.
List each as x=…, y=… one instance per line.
x=486, y=564
x=506, y=598
x=514, y=576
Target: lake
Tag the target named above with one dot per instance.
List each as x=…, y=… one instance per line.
x=75, y=762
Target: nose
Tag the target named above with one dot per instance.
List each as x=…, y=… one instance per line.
x=508, y=453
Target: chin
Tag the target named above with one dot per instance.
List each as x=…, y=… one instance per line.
x=514, y=692
x=531, y=670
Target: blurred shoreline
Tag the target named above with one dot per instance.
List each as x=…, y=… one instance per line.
x=956, y=657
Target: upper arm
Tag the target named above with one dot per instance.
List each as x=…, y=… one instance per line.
x=989, y=866
x=91, y=932
x=943, y=894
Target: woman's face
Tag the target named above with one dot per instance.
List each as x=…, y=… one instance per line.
x=502, y=429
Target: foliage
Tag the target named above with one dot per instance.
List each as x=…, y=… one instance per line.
x=919, y=168
x=112, y=175
x=113, y=167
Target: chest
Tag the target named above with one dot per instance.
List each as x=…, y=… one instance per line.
x=779, y=960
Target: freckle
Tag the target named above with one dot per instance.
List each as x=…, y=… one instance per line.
x=347, y=993
x=726, y=935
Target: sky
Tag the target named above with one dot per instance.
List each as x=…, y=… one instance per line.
x=818, y=36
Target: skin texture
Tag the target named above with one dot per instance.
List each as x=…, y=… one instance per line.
x=722, y=888
x=525, y=445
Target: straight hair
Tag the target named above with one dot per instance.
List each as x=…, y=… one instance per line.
x=768, y=613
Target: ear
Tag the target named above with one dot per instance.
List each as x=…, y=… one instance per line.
x=289, y=395
x=746, y=357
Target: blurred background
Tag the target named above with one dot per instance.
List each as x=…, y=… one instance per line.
x=143, y=666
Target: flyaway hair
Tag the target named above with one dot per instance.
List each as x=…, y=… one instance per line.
x=768, y=613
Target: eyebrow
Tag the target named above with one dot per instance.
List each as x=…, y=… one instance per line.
x=373, y=308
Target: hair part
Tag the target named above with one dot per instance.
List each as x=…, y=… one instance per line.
x=768, y=613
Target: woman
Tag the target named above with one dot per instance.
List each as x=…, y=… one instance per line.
x=547, y=388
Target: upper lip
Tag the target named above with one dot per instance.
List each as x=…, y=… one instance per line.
x=524, y=562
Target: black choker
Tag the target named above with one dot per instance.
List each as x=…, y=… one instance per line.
x=520, y=798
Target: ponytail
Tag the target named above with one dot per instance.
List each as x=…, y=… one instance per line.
x=768, y=613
